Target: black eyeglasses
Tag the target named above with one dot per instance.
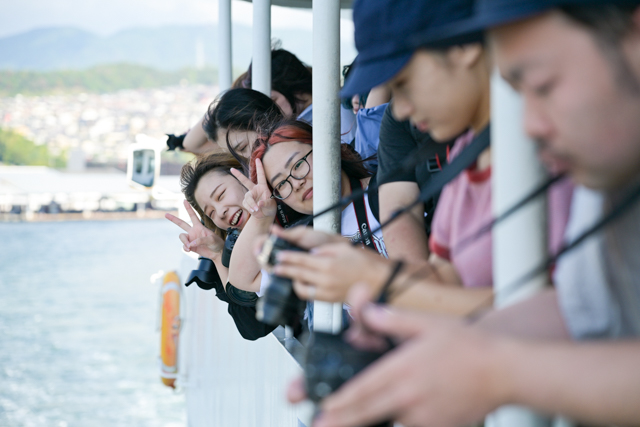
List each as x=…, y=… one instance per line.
x=299, y=170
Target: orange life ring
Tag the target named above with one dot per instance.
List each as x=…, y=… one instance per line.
x=170, y=328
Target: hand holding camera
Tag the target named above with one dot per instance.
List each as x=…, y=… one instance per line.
x=332, y=267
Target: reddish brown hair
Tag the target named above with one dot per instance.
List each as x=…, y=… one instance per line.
x=294, y=130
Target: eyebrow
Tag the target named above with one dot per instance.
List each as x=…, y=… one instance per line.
x=240, y=142
x=214, y=190
x=286, y=165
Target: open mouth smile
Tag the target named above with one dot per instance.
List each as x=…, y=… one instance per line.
x=236, y=218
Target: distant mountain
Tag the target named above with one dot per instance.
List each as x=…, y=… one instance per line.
x=164, y=48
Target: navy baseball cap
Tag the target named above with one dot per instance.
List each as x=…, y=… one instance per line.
x=493, y=13
x=384, y=30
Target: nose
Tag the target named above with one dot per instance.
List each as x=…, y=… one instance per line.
x=401, y=108
x=222, y=213
x=536, y=122
x=298, y=184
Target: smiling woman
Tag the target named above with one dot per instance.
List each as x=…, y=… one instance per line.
x=217, y=196
x=214, y=193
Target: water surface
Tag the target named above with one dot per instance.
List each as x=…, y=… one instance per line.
x=78, y=320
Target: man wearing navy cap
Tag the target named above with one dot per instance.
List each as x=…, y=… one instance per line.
x=577, y=65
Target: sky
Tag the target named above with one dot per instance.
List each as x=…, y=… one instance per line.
x=106, y=17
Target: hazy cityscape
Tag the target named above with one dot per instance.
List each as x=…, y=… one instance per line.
x=103, y=125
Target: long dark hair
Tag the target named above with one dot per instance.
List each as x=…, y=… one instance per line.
x=193, y=171
x=242, y=110
x=289, y=76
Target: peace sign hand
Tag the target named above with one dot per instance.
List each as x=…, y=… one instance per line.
x=258, y=199
x=197, y=238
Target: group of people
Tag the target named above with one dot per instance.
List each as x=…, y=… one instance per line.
x=423, y=72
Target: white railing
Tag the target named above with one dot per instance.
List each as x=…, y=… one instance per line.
x=326, y=136
x=229, y=381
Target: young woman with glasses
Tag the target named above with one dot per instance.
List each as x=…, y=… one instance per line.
x=282, y=169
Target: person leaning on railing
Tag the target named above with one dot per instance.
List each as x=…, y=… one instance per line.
x=576, y=65
x=216, y=196
x=445, y=90
x=287, y=176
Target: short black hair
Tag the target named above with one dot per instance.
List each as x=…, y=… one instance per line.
x=609, y=24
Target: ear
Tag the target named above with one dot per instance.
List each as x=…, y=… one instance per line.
x=636, y=18
x=632, y=43
x=466, y=56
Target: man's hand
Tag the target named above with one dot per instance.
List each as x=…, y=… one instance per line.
x=444, y=373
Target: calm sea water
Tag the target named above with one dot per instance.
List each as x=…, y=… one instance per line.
x=78, y=320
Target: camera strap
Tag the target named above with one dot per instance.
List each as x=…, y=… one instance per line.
x=360, y=207
x=630, y=198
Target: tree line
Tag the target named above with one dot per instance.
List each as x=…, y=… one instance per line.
x=99, y=79
x=15, y=149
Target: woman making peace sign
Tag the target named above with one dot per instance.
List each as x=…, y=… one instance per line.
x=217, y=196
x=282, y=169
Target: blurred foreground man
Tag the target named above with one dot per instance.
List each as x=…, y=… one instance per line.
x=577, y=65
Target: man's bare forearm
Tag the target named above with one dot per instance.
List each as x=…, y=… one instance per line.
x=538, y=317
x=595, y=383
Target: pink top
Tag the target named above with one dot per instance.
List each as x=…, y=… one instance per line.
x=465, y=207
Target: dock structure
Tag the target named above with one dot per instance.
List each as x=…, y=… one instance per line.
x=41, y=193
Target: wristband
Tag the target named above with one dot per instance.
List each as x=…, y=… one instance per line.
x=174, y=141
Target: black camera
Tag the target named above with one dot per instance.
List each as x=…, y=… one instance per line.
x=205, y=276
x=330, y=361
x=279, y=305
x=229, y=243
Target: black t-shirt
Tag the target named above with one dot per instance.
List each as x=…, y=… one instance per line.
x=399, y=141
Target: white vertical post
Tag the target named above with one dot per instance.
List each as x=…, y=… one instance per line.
x=261, y=61
x=520, y=242
x=326, y=136
x=224, y=45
